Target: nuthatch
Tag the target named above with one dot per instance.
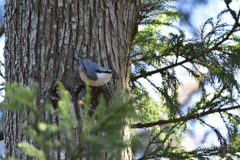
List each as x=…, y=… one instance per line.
x=93, y=73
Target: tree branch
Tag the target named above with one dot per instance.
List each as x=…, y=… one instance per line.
x=145, y=5
x=184, y=61
x=161, y=69
x=224, y=39
x=2, y=28
x=136, y=59
x=139, y=59
x=221, y=139
x=162, y=122
x=1, y=136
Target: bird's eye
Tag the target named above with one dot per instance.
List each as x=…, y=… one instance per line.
x=97, y=70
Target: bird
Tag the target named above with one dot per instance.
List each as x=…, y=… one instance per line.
x=92, y=73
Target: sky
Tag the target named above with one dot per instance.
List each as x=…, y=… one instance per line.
x=199, y=135
x=198, y=17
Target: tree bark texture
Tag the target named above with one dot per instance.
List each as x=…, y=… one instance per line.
x=41, y=39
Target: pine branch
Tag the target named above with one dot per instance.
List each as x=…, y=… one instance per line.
x=186, y=118
x=2, y=28
x=1, y=136
x=221, y=139
x=184, y=61
x=161, y=69
x=224, y=39
x=145, y=5
x=157, y=88
x=137, y=59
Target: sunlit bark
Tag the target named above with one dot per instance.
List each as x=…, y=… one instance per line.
x=42, y=38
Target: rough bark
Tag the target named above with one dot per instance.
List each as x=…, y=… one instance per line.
x=41, y=39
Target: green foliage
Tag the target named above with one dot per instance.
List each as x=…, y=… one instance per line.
x=159, y=14
x=94, y=137
x=31, y=151
x=161, y=47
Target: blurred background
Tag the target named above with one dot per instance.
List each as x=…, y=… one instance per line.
x=193, y=14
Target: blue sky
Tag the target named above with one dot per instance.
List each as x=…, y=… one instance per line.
x=194, y=139
x=198, y=17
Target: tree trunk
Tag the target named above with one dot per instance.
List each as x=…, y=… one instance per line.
x=41, y=39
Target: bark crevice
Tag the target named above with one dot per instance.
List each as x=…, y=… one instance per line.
x=41, y=39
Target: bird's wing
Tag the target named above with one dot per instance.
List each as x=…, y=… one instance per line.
x=89, y=70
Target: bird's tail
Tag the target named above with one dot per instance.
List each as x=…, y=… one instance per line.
x=79, y=56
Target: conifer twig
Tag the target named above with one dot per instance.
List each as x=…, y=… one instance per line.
x=145, y=5
x=1, y=136
x=139, y=59
x=184, y=61
x=162, y=69
x=186, y=118
x=136, y=59
x=2, y=28
x=221, y=139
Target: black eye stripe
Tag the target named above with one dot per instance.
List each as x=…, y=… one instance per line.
x=103, y=71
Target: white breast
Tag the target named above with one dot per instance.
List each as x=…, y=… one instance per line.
x=102, y=79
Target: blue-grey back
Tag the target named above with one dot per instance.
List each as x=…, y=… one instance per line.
x=89, y=68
